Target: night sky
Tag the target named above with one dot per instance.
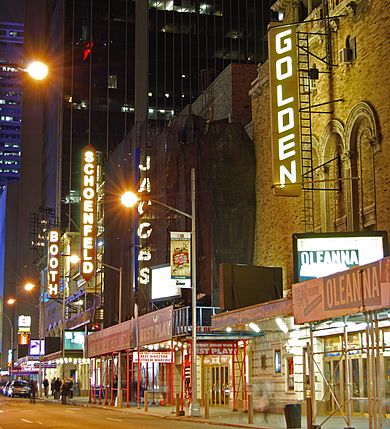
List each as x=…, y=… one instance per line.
x=12, y=10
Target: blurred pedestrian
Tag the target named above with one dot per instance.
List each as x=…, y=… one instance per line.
x=71, y=387
x=52, y=385
x=264, y=405
x=33, y=390
x=45, y=384
x=57, y=388
x=64, y=391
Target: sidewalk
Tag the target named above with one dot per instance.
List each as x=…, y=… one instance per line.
x=226, y=417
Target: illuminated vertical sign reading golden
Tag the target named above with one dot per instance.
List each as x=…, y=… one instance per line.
x=286, y=156
x=88, y=213
x=53, y=263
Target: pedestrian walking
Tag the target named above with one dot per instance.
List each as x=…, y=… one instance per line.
x=71, y=387
x=45, y=384
x=264, y=405
x=33, y=390
x=57, y=388
x=64, y=391
x=52, y=385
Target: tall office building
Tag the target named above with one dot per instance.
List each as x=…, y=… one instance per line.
x=118, y=63
x=11, y=52
x=184, y=45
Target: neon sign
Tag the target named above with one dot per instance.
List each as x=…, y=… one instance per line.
x=286, y=156
x=145, y=228
x=53, y=265
x=88, y=213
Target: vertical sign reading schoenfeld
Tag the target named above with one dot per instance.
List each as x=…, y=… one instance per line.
x=88, y=212
x=53, y=263
x=286, y=151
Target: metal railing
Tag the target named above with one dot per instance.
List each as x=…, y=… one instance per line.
x=182, y=319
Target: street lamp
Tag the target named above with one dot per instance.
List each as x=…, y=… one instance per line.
x=11, y=327
x=30, y=287
x=36, y=70
x=73, y=259
x=129, y=199
x=120, y=271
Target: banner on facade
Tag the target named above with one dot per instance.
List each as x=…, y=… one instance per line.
x=153, y=357
x=155, y=327
x=111, y=339
x=216, y=348
x=359, y=289
x=285, y=131
x=181, y=255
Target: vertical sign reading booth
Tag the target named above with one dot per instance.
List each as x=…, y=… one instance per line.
x=53, y=263
x=286, y=156
x=88, y=212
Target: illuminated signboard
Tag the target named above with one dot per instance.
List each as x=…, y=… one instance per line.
x=24, y=323
x=153, y=357
x=74, y=340
x=320, y=255
x=285, y=135
x=88, y=213
x=53, y=268
x=145, y=229
x=163, y=286
x=37, y=348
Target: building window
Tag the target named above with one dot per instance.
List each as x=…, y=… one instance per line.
x=263, y=360
x=277, y=361
x=290, y=373
x=113, y=81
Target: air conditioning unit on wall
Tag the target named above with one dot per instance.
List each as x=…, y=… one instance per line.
x=345, y=55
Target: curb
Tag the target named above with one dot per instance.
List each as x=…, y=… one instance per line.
x=140, y=412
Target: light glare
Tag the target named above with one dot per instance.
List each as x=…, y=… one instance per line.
x=29, y=287
x=129, y=199
x=37, y=70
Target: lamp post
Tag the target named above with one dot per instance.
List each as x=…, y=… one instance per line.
x=120, y=271
x=129, y=199
x=11, y=327
x=36, y=70
x=73, y=259
x=30, y=287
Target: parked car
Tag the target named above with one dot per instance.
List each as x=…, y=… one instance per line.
x=19, y=388
x=3, y=386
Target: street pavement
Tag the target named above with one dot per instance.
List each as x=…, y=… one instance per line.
x=224, y=416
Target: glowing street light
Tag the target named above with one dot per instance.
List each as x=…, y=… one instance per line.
x=11, y=301
x=129, y=199
x=29, y=287
x=37, y=70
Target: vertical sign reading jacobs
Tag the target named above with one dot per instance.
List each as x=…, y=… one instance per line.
x=53, y=263
x=88, y=212
x=286, y=156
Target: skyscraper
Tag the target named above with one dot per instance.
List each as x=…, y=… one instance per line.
x=118, y=63
x=11, y=52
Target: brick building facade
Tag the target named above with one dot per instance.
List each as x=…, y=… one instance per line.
x=349, y=142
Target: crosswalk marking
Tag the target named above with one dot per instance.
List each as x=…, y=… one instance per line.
x=115, y=420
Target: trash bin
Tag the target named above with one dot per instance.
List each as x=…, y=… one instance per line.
x=292, y=413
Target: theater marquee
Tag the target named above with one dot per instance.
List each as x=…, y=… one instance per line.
x=88, y=212
x=362, y=288
x=285, y=135
x=53, y=263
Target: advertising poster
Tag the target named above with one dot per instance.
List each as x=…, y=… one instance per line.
x=180, y=255
x=359, y=289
